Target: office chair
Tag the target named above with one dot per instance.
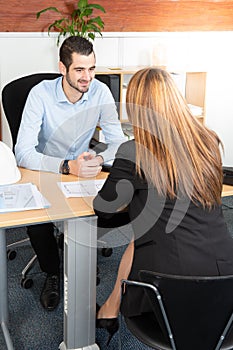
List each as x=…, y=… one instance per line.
x=188, y=313
x=14, y=96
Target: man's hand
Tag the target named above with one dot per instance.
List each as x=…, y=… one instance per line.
x=86, y=165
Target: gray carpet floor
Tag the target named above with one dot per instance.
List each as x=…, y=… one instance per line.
x=33, y=328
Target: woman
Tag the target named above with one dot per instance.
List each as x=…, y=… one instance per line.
x=170, y=180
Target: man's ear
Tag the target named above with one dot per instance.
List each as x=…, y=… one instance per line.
x=62, y=68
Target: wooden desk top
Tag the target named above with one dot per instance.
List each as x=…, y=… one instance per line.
x=227, y=190
x=61, y=208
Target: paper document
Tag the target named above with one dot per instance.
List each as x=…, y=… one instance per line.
x=87, y=188
x=20, y=197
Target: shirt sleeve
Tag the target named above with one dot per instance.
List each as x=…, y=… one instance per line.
x=110, y=125
x=26, y=152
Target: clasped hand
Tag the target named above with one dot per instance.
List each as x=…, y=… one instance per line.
x=86, y=165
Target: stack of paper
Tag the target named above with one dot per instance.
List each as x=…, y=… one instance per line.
x=87, y=188
x=20, y=197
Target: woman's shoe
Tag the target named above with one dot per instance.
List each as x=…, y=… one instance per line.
x=97, y=308
x=110, y=324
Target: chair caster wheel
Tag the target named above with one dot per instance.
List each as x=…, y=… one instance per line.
x=106, y=252
x=26, y=283
x=11, y=254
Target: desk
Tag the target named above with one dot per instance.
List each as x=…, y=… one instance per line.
x=79, y=257
x=227, y=190
x=80, y=239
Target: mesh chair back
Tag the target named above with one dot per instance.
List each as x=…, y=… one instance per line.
x=113, y=82
x=14, y=96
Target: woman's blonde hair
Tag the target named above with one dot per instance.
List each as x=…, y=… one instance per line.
x=174, y=151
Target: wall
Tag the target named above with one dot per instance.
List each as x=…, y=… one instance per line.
x=25, y=53
x=125, y=15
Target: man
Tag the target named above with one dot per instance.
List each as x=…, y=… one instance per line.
x=58, y=122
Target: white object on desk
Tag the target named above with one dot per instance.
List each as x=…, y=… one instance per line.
x=87, y=188
x=20, y=197
x=11, y=173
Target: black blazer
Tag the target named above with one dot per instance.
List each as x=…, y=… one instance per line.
x=171, y=236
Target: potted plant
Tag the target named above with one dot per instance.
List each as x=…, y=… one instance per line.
x=79, y=22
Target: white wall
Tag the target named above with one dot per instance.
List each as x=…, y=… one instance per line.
x=25, y=53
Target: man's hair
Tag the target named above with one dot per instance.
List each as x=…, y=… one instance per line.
x=73, y=44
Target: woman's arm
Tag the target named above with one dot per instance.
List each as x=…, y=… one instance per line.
x=118, y=190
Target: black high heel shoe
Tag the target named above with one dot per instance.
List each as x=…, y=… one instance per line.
x=110, y=324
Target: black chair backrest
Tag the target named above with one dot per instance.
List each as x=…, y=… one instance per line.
x=14, y=96
x=198, y=308
x=113, y=82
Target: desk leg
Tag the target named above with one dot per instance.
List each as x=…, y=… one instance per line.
x=80, y=255
x=4, y=314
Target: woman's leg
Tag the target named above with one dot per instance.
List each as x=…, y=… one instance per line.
x=110, y=308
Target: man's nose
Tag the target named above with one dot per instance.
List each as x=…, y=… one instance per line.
x=86, y=75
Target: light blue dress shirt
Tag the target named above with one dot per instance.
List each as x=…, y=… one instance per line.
x=53, y=129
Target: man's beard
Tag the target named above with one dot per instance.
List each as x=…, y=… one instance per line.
x=74, y=86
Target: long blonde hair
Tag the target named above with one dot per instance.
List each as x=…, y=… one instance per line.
x=174, y=151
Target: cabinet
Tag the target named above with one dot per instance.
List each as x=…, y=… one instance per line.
x=195, y=93
x=193, y=88
x=124, y=73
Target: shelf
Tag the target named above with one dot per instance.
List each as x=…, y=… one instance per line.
x=194, y=89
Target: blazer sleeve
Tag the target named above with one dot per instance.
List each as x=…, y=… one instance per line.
x=118, y=190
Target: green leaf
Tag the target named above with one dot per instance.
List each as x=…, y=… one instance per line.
x=91, y=36
x=47, y=9
x=75, y=13
x=78, y=22
x=96, y=6
x=97, y=20
x=56, y=24
x=82, y=4
x=87, y=12
x=94, y=28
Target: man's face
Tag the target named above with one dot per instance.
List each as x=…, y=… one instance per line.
x=81, y=72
